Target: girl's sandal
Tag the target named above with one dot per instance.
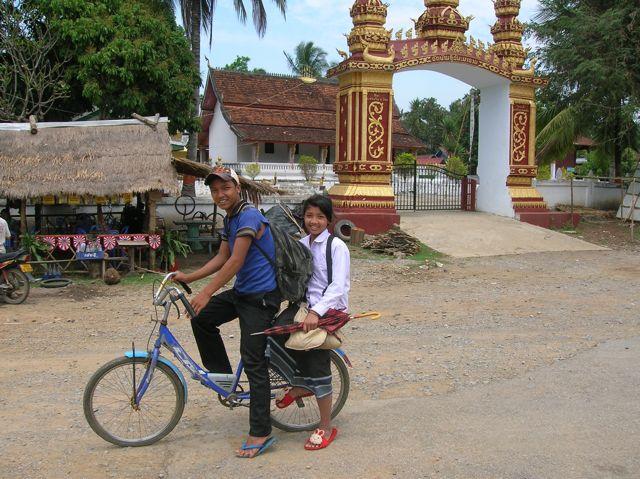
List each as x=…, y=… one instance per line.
x=319, y=441
x=287, y=399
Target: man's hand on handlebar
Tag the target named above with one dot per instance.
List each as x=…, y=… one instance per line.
x=180, y=277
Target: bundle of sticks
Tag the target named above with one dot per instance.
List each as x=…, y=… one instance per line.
x=393, y=241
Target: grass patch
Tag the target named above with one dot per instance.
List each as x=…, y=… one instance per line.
x=426, y=253
x=357, y=252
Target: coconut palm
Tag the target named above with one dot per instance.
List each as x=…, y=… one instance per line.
x=555, y=140
x=308, y=60
x=197, y=15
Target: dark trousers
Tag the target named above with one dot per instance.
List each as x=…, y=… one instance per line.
x=256, y=311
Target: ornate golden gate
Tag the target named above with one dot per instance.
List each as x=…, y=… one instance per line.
x=437, y=39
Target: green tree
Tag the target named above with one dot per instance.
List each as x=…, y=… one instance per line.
x=308, y=60
x=589, y=51
x=198, y=15
x=424, y=120
x=125, y=57
x=31, y=71
x=241, y=64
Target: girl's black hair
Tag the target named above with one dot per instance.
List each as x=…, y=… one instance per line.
x=321, y=202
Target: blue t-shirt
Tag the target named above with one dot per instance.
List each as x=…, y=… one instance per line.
x=256, y=275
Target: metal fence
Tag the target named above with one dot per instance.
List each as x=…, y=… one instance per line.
x=429, y=187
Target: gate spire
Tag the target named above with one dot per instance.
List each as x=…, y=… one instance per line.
x=442, y=21
x=507, y=33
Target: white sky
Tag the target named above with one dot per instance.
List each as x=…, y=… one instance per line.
x=324, y=22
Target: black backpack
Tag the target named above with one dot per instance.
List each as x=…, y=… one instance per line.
x=292, y=263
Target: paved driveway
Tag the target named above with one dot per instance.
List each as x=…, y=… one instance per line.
x=464, y=234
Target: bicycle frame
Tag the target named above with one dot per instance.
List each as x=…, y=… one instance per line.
x=168, y=340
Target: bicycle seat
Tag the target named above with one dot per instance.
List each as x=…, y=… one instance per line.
x=10, y=256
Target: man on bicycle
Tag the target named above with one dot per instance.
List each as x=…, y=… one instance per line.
x=254, y=299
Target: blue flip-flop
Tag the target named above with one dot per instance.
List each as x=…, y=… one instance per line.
x=260, y=447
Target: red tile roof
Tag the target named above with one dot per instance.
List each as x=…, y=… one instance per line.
x=280, y=109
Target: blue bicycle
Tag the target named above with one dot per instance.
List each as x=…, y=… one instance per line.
x=137, y=399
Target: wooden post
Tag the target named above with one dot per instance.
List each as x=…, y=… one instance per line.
x=23, y=216
x=151, y=199
x=357, y=235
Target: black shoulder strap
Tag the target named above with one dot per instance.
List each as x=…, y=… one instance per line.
x=329, y=263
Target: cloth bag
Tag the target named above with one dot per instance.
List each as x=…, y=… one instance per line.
x=315, y=339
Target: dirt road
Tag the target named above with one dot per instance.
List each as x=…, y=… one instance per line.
x=495, y=367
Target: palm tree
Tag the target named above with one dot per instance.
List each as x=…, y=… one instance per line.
x=555, y=140
x=308, y=60
x=197, y=15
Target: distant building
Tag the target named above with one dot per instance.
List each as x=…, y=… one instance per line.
x=249, y=117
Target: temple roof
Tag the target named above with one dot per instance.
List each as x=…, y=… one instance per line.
x=280, y=109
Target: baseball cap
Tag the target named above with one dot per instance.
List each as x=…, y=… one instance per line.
x=224, y=173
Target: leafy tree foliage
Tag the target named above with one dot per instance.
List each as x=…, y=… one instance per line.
x=241, y=64
x=442, y=128
x=198, y=15
x=590, y=53
x=405, y=159
x=456, y=165
x=425, y=120
x=308, y=60
x=31, y=71
x=125, y=57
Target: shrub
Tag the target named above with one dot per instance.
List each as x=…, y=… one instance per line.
x=405, y=159
x=253, y=170
x=544, y=172
x=456, y=165
x=309, y=166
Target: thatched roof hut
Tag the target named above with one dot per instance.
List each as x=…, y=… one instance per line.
x=98, y=158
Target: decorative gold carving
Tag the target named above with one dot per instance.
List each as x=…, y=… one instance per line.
x=363, y=204
x=405, y=51
x=375, y=129
x=391, y=53
x=342, y=54
x=519, y=137
x=363, y=191
x=523, y=192
x=399, y=34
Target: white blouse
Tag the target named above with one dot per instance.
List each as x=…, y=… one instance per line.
x=336, y=295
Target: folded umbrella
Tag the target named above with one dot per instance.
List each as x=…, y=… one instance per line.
x=330, y=322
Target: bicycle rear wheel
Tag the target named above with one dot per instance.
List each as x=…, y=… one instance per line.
x=108, y=405
x=303, y=414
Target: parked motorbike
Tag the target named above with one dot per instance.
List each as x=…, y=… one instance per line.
x=14, y=282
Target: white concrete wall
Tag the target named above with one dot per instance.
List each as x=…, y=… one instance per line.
x=222, y=141
x=587, y=193
x=493, y=150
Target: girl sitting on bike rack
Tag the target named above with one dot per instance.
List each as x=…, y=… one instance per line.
x=322, y=294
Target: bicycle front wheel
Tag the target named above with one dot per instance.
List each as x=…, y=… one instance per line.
x=110, y=410
x=303, y=414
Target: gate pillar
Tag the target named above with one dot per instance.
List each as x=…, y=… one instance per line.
x=364, y=121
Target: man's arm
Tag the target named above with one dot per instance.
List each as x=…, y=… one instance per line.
x=210, y=267
x=225, y=273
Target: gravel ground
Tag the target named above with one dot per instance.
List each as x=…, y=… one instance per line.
x=476, y=332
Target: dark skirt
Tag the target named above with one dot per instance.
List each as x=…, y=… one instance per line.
x=315, y=370
x=308, y=369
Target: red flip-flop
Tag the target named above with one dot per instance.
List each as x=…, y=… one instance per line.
x=287, y=399
x=319, y=441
